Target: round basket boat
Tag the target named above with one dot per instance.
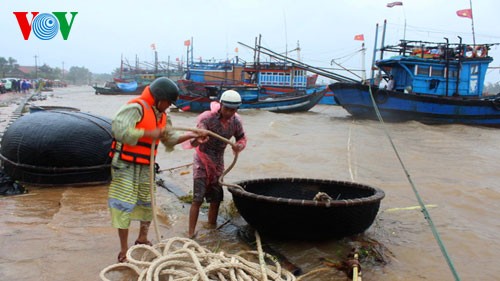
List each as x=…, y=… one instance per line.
x=57, y=148
x=285, y=207
x=37, y=108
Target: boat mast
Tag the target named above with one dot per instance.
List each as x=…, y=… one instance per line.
x=121, y=67
x=382, y=42
x=472, y=24
x=156, y=61
x=363, y=54
x=258, y=61
x=137, y=64
x=298, y=50
x=372, y=80
x=459, y=66
x=305, y=66
x=191, y=46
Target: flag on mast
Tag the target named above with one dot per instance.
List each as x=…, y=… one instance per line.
x=392, y=4
x=187, y=43
x=153, y=46
x=359, y=37
x=465, y=13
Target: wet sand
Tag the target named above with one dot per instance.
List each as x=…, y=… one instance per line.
x=64, y=233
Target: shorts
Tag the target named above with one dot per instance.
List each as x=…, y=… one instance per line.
x=211, y=193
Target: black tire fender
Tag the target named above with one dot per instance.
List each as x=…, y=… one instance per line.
x=381, y=96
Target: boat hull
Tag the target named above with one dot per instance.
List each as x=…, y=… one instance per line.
x=284, y=207
x=252, y=98
x=397, y=106
x=51, y=147
x=117, y=91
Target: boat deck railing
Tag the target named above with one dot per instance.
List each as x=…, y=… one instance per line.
x=439, y=50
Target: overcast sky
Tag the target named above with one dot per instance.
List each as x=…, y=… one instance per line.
x=105, y=30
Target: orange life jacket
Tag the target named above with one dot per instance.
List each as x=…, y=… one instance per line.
x=140, y=153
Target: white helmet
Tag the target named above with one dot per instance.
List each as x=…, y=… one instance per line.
x=231, y=99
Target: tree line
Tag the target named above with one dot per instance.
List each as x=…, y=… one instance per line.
x=75, y=75
x=492, y=88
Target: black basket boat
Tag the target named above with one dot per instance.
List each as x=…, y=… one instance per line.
x=58, y=147
x=284, y=207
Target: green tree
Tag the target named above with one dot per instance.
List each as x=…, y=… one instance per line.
x=492, y=89
x=3, y=66
x=79, y=75
x=12, y=65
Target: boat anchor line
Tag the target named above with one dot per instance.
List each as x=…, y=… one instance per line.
x=352, y=172
x=421, y=203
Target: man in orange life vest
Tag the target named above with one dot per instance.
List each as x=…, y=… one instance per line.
x=135, y=127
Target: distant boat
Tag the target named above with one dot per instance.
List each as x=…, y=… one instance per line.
x=145, y=73
x=128, y=86
x=435, y=83
x=113, y=88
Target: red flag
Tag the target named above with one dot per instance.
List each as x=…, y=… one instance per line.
x=359, y=37
x=392, y=4
x=187, y=42
x=153, y=46
x=236, y=49
x=466, y=13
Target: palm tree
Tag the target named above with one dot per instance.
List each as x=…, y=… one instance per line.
x=12, y=65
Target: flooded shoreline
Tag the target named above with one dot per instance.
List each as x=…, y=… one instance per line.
x=64, y=233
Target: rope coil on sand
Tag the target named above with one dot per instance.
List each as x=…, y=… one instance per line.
x=182, y=259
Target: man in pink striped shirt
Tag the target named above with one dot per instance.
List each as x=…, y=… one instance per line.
x=208, y=163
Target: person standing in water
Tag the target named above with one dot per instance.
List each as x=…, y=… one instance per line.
x=138, y=124
x=208, y=162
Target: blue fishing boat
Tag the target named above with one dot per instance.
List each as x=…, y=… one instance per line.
x=328, y=98
x=430, y=82
x=276, y=85
x=252, y=98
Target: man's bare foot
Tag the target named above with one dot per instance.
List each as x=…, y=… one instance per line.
x=208, y=225
x=192, y=235
x=122, y=257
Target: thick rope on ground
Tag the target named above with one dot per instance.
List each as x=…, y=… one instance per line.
x=182, y=259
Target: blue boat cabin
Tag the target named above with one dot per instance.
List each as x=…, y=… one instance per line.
x=437, y=70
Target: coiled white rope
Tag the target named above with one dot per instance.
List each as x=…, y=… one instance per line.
x=182, y=259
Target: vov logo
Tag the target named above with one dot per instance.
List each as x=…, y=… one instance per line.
x=45, y=26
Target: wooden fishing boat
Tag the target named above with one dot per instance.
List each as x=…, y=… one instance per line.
x=112, y=88
x=252, y=98
x=57, y=147
x=276, y=85
x=432, y=82
x=301, y=208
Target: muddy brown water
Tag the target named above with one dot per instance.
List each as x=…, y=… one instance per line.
x=64, y=233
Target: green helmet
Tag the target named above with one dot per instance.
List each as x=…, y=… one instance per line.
x=164, y=89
